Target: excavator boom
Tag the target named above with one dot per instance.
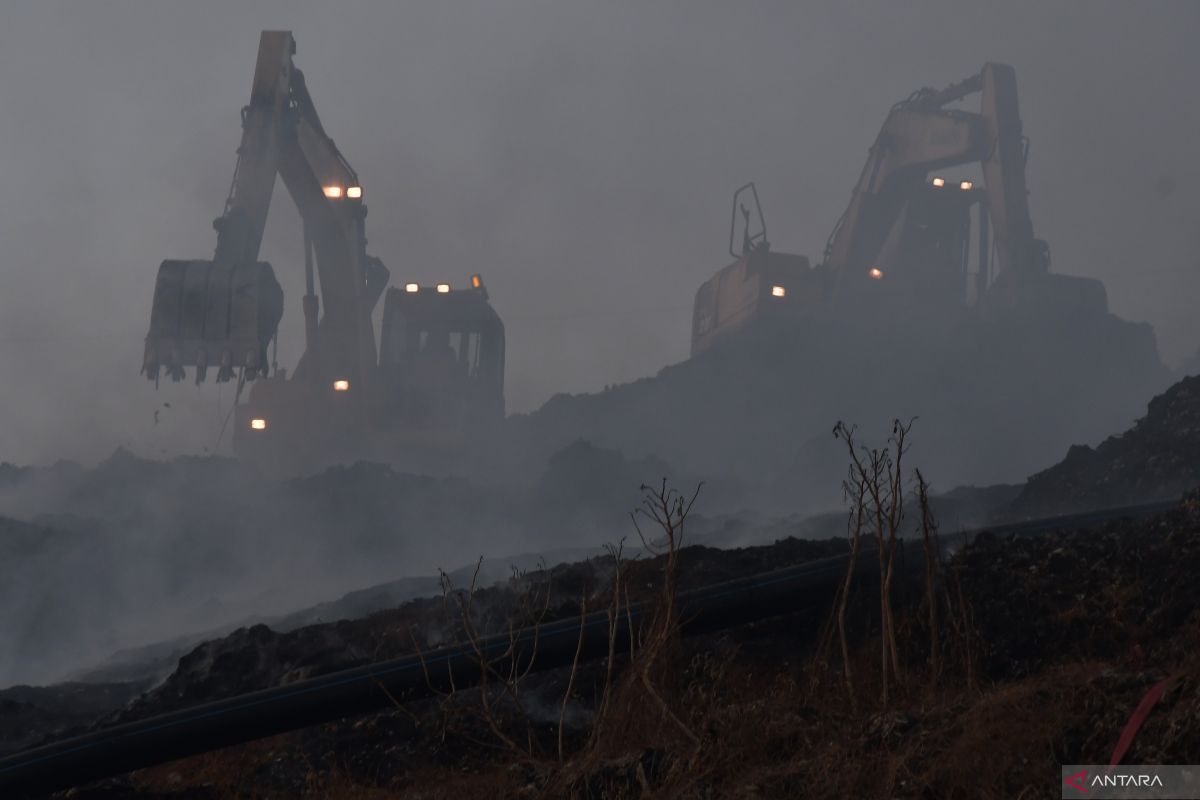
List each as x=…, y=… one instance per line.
x=441, y=378
x=226, y=311
x=1004, y=173
x=920, y=135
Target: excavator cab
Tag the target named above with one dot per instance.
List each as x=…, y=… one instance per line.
x=759, y=284
x=924, y=262
x=441, y=358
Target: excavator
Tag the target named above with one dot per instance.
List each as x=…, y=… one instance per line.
x=903, y=244
x=436, y=377
x=760, y=284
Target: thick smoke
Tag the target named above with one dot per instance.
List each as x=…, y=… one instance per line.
x=581, y=159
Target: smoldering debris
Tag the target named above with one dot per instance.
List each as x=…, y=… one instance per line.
x=161, y=552
x=1102, y=615
x=258, y=657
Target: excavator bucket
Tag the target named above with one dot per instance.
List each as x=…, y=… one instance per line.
x=211, y=314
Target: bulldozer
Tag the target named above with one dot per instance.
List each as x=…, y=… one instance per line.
x=421, y=392
x=904, y=243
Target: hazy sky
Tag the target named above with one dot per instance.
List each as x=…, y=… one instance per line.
x=580, y=156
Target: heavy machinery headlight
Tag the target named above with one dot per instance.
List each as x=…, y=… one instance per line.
x=332, y=192
x=354, y=192
x=778, y=291
x=875, y=272
x=965, y=186
x=412, y=288
x=476, y=281
x=443, y=288
x=341, y=385
x=258, y=424
x=938, y=182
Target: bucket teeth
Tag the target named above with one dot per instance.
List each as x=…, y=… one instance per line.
x=212, y=312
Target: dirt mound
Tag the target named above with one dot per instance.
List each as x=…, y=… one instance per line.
x=996, y=399
x=1073, y=629
x=28, y=714
x=1157, y=459
x=258, y=657
x=1123, y=592
x=158, y=549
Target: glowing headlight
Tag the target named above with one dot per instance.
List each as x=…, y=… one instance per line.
x=354, y=192
x=412, y=288
x=476, y=281
x=938, y=182
x=341, y=385
x=332, y=192
x=443, y=288
x=875, y=272
x=258, y=424
x=965, y=185
x=778, y=291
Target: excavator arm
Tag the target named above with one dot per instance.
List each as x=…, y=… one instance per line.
x=227, y=310
x=920, y=135
x=328, y=194
x=240, y=226
x=1018, y=253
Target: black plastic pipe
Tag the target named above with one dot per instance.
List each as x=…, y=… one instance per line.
x=135, y=745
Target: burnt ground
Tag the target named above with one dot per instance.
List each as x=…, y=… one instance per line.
x=258, y=657
x=1045, y=645
x=1060, y=637
x=28, y=713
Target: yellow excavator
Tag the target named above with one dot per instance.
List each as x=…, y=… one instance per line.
x=904, y=241
x=435, y=380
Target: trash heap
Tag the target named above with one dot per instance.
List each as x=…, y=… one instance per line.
x=1157, y=459
x=1123, y=592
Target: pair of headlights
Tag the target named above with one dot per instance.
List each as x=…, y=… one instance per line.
x=443, y=288
x=413, y=288
x=966, y=186
x=335, y=192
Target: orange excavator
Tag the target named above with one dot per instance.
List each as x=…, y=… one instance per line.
x=436, y=379
x=904, y=241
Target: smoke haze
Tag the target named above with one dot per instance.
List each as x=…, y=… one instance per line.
x=580, y=157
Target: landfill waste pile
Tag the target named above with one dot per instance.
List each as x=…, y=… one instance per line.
x=1158, y=458
x=996, y=400
x=1047, y=642
x=154, y=550
x=163, y=554
x=258, y=657
x=1066, y=632
x=1125, y=591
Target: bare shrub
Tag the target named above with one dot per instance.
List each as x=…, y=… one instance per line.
x=658, y=642
x=932, y=551
x=875, y=487
x=620, y=594
x=501, y=705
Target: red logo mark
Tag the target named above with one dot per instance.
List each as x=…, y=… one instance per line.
x=1080, y=776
